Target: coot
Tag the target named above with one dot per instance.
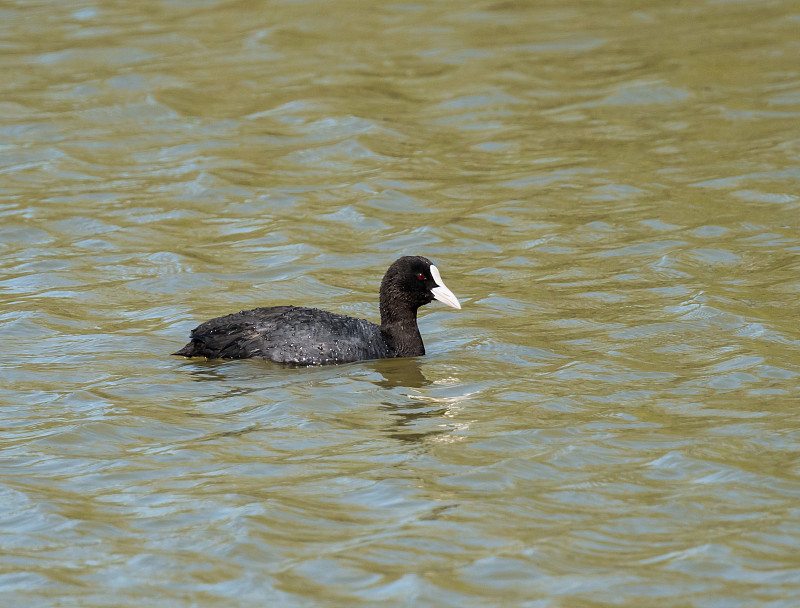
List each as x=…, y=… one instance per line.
x=309, y=336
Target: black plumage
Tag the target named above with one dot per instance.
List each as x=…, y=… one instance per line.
x=309, y=336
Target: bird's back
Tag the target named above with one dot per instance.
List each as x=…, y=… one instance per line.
x=288, y=334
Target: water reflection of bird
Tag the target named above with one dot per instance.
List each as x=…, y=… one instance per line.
x=408, y=412
x=309, y=336
x=394, y=372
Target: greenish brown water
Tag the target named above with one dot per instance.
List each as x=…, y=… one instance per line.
x=611, y=189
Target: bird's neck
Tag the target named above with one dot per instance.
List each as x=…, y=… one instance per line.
x=392, y=315
x=399, y=327
x=404, y=339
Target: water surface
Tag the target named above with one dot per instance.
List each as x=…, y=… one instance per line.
x=610, y=189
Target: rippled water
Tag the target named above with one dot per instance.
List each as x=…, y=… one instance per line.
x=611, y=189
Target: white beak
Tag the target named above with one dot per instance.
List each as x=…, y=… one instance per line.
x=440, y=292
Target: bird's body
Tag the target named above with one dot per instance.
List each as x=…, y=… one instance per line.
x=298, y=335
x=288, y=334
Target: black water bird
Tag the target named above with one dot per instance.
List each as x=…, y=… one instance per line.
x=308, y=336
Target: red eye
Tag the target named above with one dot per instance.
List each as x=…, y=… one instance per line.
x=421, y=276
